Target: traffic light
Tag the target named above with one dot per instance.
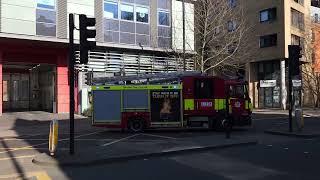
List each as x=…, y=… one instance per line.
x=88, y=78
x=87, y=32
x=294, y=59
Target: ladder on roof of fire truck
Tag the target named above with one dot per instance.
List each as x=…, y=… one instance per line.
x=149, y=78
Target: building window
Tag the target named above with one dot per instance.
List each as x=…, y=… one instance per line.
x=299, y=1
x=297, y=19
x=46, y=18
x=142, y=14
x=232, y=26
x=110, y=9
x=232, y=3
x=46, y=4
x=268, y=40
x=268, y=15
x=164, y=18
x=297, y=40
x=127, y=12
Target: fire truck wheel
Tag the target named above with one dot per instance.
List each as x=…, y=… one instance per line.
x=135, y=125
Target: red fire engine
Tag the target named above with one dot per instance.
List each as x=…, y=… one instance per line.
x=189, y=100
x=240, y=106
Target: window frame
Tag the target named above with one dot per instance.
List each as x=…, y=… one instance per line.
x=270, y=45
x=142, y=6
x=46, y=23
x=269, y=12
x=134, y=11
x=169, y=17
x=111, y=2
x=48, y=9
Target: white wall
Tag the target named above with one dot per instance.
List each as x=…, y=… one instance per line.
x=80, y=7
x=16, y=14
x=177, y=25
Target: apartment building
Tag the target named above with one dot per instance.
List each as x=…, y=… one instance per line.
x=275, y=24
x=133, y=36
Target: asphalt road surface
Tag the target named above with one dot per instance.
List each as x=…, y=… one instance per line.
x=275, y=157
x=293, y=160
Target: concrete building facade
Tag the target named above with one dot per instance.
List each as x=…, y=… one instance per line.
x=275, y=25
x=133, y=36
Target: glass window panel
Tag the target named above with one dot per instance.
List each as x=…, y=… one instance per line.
x=47, y=4
x=111, y=24
x=127, y=12
x=164, y=18
x=127, y=38
x=143, y=40
x=44, y=29
x=126, y=26
x=164, y=42
x=264, y=16
x=142, y=28
x=142, y=2
x=142, y=14
x=46, y=16
x=164, y=4
x=110, y=10
x=110, y=36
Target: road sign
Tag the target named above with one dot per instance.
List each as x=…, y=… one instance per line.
x=296, y=83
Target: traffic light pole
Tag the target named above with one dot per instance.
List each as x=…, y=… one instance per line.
x=71, y=81
x=290, y=97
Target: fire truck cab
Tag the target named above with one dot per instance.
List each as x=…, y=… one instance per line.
x=240, y=106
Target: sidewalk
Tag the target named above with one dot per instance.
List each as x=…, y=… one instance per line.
x=21, y=124
x=128, y=150
x=306, y=111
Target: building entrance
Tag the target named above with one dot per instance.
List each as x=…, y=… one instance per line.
x=29, y=87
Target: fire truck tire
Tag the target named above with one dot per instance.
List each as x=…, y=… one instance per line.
x=136, y=125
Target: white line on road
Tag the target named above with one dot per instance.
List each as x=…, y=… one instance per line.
x=153, y=135
x=47, y=142
x=119, y=140
x=262, y=119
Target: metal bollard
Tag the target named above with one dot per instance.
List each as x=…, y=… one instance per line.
x=53, y=137
x=299, y=118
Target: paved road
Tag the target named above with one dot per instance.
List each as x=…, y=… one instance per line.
x=293, y=160
x=270, y=159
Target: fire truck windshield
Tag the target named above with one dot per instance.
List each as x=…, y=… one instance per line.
x=237, y=91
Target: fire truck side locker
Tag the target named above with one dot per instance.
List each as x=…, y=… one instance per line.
x=127, y=106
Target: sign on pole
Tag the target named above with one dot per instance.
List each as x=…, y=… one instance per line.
x=268, y=83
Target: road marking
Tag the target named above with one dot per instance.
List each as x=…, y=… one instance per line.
x=83, y=135
x=28, y=148
x=17, y=157
x=39, y=176
x=261, y=119
x=42, y=176
x=119, y=140
x=153, y=135
x=13, y=139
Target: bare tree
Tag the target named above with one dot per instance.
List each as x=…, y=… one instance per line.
x=221, y=32
x=311, y=78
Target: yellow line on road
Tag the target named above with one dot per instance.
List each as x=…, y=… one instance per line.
x=16, y=157
x=42, y=176
x=39, y=175
x=31, y=146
